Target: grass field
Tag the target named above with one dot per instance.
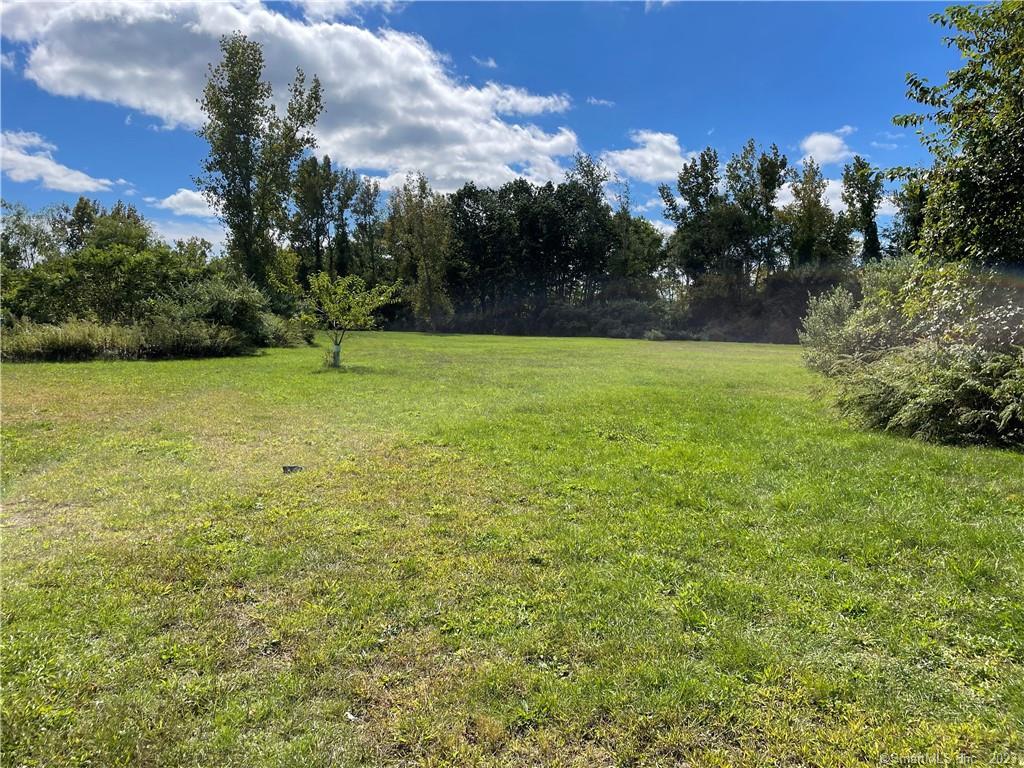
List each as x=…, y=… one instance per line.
x=501, y=552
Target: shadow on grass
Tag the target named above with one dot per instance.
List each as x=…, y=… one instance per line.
x=346, y=368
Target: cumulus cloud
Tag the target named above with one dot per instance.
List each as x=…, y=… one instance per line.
x=184, y=202
x=27, y=156
x=7, y=60
x=596, y=102
x=658, y=157
x=518, y=101
x=884, y=145
x=391, y=103
x=827, y=147
x=325, y=10
x=488, y=63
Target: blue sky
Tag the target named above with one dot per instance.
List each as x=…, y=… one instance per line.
x=100, y=99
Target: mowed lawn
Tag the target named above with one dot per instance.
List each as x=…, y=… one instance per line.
x=502, y=551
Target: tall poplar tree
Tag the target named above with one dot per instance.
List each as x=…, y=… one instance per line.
x=247, y=174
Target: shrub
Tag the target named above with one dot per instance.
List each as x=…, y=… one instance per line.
x=932, y=350
x=824, y=334
x=111, y=285
x=163, y=338
x=71, y=341
x=280, y=331
x=228, y=300
x=958, y=394
x=158, y=337
x=181, y=304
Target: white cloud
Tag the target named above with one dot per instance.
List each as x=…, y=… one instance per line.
x=663, y=226
x=653, y=5
x=596, y=102
x=7, y=60
x=657, y=158
x=391, y=103
x=887, y=207
x=508, y=100
x=127, y=188
x=27, y=156
x=488, y=63
x=184, y=202
x=826, y=147
x=890, y=135
x=845, y=130
x=884, y=145
x=326, y=10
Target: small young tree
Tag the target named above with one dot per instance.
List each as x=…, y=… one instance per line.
x=345, y=304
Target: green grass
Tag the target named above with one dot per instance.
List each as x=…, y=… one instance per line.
x=501, y=552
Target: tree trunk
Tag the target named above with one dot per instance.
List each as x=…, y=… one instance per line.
x=336, y=356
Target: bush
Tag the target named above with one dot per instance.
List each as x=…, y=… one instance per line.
x=280, y=331
x=111, y=285
x=175, y=302
x=931, y=351
x=192, y=338
x=955, y=394
x=824, y=334
x=71, y=341
x=159, y=337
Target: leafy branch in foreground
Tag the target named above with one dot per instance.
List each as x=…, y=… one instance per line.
x=345, y=304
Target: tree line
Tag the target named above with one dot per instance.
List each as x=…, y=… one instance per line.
x=534, y=258
x=752, y=238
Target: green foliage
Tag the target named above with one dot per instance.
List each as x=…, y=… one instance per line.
x=825, y=328
x=975, y=206
x=932, y=350
x=344, y=304
x=418, y=233
x=653, y=334
x=115, y=284
x=862, y=194
x=903, y=235
x=815, y=236
x=28, y=238
x=317, y=228
x=157, y=300
x=368, y=232
x=157, y=337
x=248, y=173
x=944, y=393
x=635, y=257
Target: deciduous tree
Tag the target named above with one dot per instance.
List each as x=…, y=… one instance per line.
x=862, y=194
x=248, y=172
x=344, y=304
